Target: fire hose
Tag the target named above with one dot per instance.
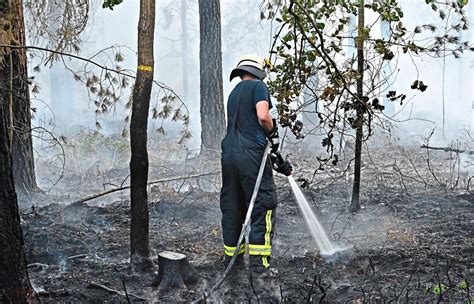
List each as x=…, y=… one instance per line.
x=242, y=232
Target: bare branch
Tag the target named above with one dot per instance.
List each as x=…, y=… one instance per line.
x=103, y=193
x=447, y=149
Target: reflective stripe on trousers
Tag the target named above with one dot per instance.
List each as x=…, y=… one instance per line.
x=229, y=250
x=264, y=250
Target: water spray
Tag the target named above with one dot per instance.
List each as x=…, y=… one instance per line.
x=326, y=247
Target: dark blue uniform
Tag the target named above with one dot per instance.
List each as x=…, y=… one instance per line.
x=242, y=152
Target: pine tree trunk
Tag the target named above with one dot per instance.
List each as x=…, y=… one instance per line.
x=139, y=239
x=15, y=91
x=355, y=202
x=184, y=48
x=210, y=56
x=15, y=285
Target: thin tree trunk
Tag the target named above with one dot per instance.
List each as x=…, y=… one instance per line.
x=139, y=239
x=210, y=57
x=355, y=202
x=184, y=48
x=350, y=56
x=15, y=285
x=15, y=91
x=443, y=94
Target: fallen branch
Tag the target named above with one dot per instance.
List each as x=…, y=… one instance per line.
x=79, y=256
x=103, y=193
x=120, y=293
x=447, y=149
x=37, y=266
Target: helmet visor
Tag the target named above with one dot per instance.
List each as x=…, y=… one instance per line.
x=259, y=74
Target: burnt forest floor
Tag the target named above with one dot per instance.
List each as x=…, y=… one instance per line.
x=403, y=246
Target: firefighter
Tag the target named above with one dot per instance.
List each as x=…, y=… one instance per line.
x=249, y=127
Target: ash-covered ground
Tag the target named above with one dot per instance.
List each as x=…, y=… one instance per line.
x=412, y=241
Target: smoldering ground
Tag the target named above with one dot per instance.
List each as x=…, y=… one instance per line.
x=411, y=242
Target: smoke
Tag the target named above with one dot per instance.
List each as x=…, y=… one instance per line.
x=449, y=82
x=66, y=103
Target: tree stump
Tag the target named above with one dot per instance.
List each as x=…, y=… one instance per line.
x=174, y=271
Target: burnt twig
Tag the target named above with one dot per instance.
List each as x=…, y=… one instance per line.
x=254, y=291
x=111, y=290
x=447, y=149
x=103, y=193
x=125, y=290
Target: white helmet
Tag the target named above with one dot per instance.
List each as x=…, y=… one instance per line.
x=251, y=64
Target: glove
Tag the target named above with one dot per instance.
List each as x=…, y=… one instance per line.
x=273, y=137
x=280, y=165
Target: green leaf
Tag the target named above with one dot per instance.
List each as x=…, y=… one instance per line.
x=440, y=288
x=111, y=3
x=462, y=2
x=463, y=285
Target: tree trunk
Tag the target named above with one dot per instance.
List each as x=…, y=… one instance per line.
x=184, y=48
x=210, y=57
x=15, y=91
x=139, y=244
x=355, y=202
x=15, y=285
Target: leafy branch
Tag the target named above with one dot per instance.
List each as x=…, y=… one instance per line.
x=106, y=87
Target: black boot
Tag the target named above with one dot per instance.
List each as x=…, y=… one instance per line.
x=264, y=280
x=239, y=261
